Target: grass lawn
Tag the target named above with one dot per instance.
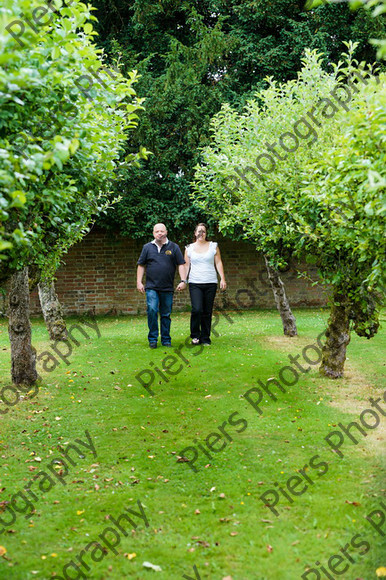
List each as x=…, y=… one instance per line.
x=211, y=518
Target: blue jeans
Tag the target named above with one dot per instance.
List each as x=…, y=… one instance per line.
x=162, y=302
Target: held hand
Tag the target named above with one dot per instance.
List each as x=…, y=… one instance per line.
x=181, y=286
x=140, y=287
x=223, y=285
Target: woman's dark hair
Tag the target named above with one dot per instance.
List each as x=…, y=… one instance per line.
x=195, y=229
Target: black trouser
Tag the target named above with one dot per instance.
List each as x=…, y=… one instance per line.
x=202, y=298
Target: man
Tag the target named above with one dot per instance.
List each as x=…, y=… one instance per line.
x=160, y=258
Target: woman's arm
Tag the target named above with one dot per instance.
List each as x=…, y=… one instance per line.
x=187, y=264
x=220, y=268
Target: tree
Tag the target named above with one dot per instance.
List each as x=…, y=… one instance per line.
x=247, y=178
x=54, y=179
x=350, y=245
x=378, y=8
x=193, y=56
x=260, y=152
x=52, y=310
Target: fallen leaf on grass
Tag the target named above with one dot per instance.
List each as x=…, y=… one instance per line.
x=269, y=548
x=356, y=503
x=201, y=542
x=197, y=512
x=2, y=551
x=152, y=567
x=130, y=556
x=381, y=571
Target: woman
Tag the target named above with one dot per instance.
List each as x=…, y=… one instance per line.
x=202, y=260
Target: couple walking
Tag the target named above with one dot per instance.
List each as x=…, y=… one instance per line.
x=159, y=259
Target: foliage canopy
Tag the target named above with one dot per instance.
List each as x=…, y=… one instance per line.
x=323, y=198
x=59, y=144
x=193, y=56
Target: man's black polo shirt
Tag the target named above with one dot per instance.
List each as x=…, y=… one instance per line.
x=160, y=265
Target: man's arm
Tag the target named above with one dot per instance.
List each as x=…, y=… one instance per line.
x=140, y=273
x=182, y=273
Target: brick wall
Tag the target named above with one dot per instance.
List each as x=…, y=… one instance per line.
x=99, y=274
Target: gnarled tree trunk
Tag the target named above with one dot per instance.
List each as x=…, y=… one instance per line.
x=23, y=355
x=278, y=289
x=337, y=338
x=52, y=311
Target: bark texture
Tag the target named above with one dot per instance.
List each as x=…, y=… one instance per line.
x=34, y=275
x=337, y=338
x=52, y=311
x=23, y=355
x=278, y=289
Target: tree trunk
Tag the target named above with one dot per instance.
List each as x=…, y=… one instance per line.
x=278, y=289
x=23, y=355
x=337, y=338
x=52, y=311
x=34, y=275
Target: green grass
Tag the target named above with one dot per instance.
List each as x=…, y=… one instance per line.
x=138, y=439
